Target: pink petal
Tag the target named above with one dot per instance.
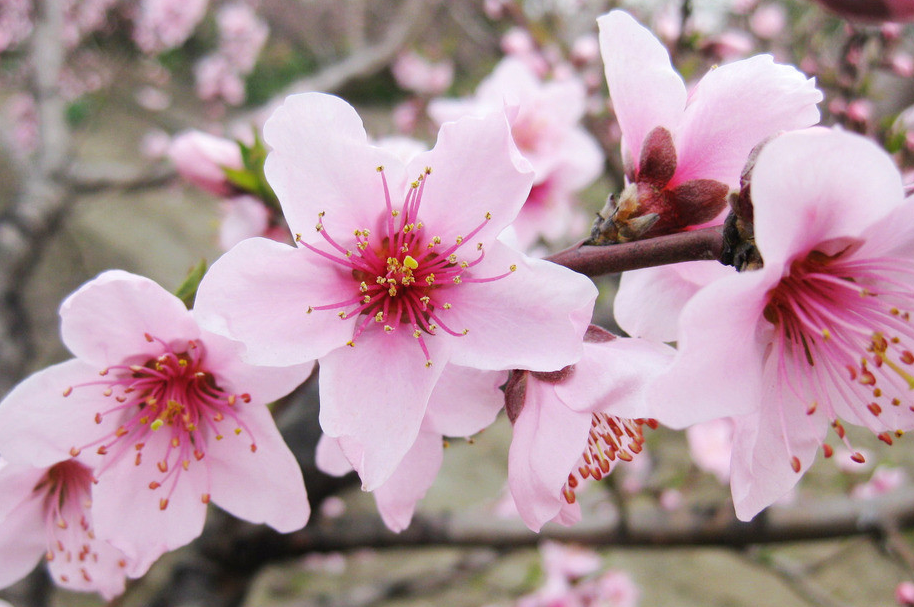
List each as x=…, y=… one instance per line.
x=733, y=108
x=265, y=486
x=329, y=457
x=465, y=401
x=39, y=425
x=548, y=441
x=649, y=302
x=397, y=497
x=646, y=92
x=475, y=168
x=24, y=541
x=719, y=332
x=259, y=293
x=846, y=183
x=376, y=394
x=242, y=217
x=534, y=318
x=321, y=161
x=611, y=377
x=128, y=513
x=106, y=320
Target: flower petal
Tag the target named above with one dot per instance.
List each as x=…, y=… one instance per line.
x=846, y=183
x=397, y=497
x=262, y=486
x=534, y=318
x=465, y=401
x=733, y=108
x=376, y=393
x=107, y=319
x=646, y=91
x=24, y=541
x=329, y=457
x=259, y=293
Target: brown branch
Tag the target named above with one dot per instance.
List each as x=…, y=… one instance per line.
x=697, y=245
x=105, y=176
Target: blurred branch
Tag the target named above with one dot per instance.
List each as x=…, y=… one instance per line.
x=104, y=176
x=796, y=576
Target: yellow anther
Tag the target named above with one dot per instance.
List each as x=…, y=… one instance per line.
x=394, y=212
x=417, y=334
x=319, y=227
x=363, y=287
x=428, y=170
x=298, y=237
x=425, y=299
x=479, y=246
x=379, y=317
x=430, y=279
x=392, y=291
x=465, y=331
x=464, y=264
x=348, y=253
x=488, y=216
x=452, y=258
x=459, y=239
x=341, y=315
x=350, y=343
x=457, y=280
x=366, y=299
x=446, y=306
x=414, y=185
x=513, y=268
x=379, y=169
x=237, y=431
x=156, y=424
x=428, y=364
x=388, y=328
x=410, y=263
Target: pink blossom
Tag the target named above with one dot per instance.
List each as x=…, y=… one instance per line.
x=821, y=333
x=176, y=417
x=242, y=35
x=160, y=25
x=415, y=73
x=246, y=217
x=387, y=291
x=768, y=20
x=728, y=45
x=217, y=79
x=201, y=158
x=546, y=128
x=684, y=151
x=568, y=562
x=15, y=22
x=44, y=512
x=474, y=394
x=710, y=444
x=885, y=479
x=904, y=594
x=612, y=589
x=83, y=17
x=576, y=424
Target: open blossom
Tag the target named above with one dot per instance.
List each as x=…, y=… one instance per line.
x=45, y=513
x=684, y=150
x=577, y=424
x=175, y=416
x=396, y=273
x=821, y=333
x=545, y=123
x=464, y=402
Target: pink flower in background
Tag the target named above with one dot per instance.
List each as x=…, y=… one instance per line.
x=885, y=479
x=710, y=446
x=246, y=217
x=545, y=124
x=160, y=25
x=904, y=594
x=15, y=22
x=464, y=402
x=175, y=416
x=44, y=512
x=683, y=151
x=242, y=35
x=200, y=159
x=821, y=333
x=415, y=73
x=575, y=424
x=388, y=283
x=217, y=79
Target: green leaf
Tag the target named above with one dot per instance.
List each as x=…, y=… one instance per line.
x=187, y=292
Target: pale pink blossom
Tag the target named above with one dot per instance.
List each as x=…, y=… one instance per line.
x=388, y=283
x=83, y=17
x=217, y=79
x=45, y=513
x=415, y=73
x=201, y=158
x=821, y=333
x=176, y=417
x=472, y=393
x=728, y=45
x=768, y=20
x=904, y=594
x=576, y=424
x=160, y=25
x=242, y=34
x=885, y=479
x=15, y=22
x=545, y=123
x=710, y=444
x=567, y=561
x=682, y=150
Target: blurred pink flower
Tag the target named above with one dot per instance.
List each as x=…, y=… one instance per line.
x=200, y=159
x=576, y=424
x=15, y=23
x=160, y=25
x=387, y=290
x=904, y=594
x=242, y=35
x=44, y=512
x=415, y=73
x=768, y=20
x=175, y=416
x=821, y=333
x=217, y=79
x=885, y=479
x=710, y=444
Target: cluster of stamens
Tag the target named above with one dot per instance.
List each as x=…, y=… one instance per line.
x=611, y=439
x=843, y=331
x=172, y=394
x=402, y=277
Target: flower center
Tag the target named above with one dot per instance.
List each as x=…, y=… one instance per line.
x=173, y=396
x=611, y=439
x=402, y=278
x=843, y=331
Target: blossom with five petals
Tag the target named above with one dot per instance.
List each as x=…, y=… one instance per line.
x=177, y=419
x=397, y=273
x=821, y=333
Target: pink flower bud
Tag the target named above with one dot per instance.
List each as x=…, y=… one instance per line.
x=200, y=158
x=904, y=593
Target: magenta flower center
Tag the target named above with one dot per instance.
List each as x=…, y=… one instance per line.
x=611, y=439
x=171, y=396
x=67, y=497
x=843, y=331
x=402, y=277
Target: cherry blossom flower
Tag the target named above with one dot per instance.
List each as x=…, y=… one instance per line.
x=545, y=123
x=165, y=24
x=683, y=151
x=904, y=593
x=821, y=333
x=45, y=512
x=710, y=446
x=419, y=75
x=576, y=424
x=389, y=292
x=176, y=417
x=474, y=394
